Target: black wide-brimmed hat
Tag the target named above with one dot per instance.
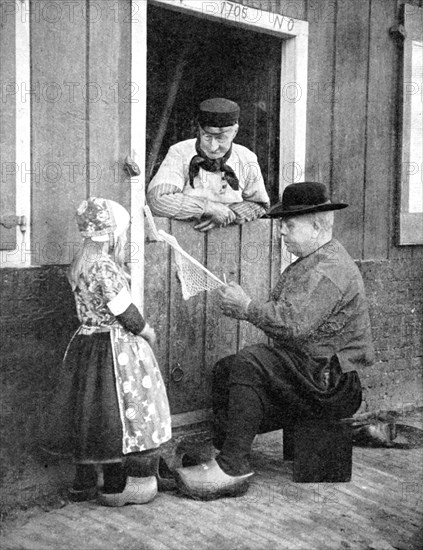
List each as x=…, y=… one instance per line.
x=304, y=198
x=218, y=112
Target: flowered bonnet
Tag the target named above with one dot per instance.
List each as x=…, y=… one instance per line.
x=98, y=219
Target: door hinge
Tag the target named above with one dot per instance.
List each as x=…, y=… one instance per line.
x=132, y=167
x=10, y=221
x=398, y=32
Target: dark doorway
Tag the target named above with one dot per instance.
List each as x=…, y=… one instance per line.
x=190, y=59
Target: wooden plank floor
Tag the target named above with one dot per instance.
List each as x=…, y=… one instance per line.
x=380, y=509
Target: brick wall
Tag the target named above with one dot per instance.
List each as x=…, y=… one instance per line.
x=395, y=293
x=36, y=320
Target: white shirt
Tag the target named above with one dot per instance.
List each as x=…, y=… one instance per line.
x=170, y=193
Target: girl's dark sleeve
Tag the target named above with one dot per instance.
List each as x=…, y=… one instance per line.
x=126, y=312
x=131, y=319
x=119, y=300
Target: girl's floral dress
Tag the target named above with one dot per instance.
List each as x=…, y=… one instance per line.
x=111, y=399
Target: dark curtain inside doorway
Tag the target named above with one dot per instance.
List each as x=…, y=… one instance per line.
x=190, y=59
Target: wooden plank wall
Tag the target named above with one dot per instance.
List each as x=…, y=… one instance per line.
x=352, y=128
x=349, y=112
x=381, y=113
x=193, y=334
x=110, y=97
x=322, y=93
x=353, y=120
x=81, y=109
x=59, y=118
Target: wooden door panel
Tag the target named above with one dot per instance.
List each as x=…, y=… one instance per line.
x=255, y=272
x=186, y=329
x=223, y=254
x=157, y=260
x=193, y=333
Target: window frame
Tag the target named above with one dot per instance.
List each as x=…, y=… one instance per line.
x=21, y=255
x=410, y=231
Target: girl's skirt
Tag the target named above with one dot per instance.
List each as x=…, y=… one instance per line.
x=110, y=400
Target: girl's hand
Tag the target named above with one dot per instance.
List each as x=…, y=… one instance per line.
x=149, y=334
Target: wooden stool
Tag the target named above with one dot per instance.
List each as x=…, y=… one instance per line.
x=321, y=451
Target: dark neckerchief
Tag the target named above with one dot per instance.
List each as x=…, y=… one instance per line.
x=212, y=165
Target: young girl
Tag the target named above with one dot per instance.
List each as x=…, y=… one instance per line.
x=112, y=405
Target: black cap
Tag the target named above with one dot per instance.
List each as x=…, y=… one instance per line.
x=218, y=112
x=304, y=198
